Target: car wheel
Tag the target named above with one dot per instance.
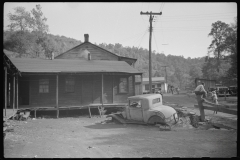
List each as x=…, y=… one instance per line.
x=156, y=120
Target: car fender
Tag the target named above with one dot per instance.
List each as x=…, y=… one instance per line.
x=156, y=119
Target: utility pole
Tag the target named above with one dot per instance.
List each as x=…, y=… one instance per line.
x=166, y=76
x=150, y=39
x=165, y=72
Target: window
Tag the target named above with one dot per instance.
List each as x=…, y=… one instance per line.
x=136, y=104
x=123, y=85
x=138, y=78
x=153, y=86
x=159, y=85
x=156, y=100
x=146, y=86
x=69, y=85
x=43, y=86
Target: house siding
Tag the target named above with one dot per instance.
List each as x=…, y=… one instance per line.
x=87, y=90
x=96, y=53
x=45, y=99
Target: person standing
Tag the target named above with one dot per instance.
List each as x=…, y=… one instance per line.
x=215, y=100
x=177, y=89
x=172, y=88
x=200, y=94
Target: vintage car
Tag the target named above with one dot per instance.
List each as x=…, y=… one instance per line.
x=233, y=90
x=222, y=91
x=147, y=109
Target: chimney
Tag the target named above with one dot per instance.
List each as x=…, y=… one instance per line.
x=86, y=37
x=52, y=56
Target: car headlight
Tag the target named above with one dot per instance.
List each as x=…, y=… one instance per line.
x=169, y=119
x=172, y=119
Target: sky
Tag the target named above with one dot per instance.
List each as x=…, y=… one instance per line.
x=181, y=30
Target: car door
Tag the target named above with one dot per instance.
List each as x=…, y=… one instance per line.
x=136, y=110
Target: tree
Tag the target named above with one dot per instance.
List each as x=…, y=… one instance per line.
x=39, y=22
x=219, y=33
x=194, y=72
x=231, y=43
x=20, y=21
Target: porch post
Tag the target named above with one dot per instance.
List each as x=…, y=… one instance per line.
x=13, y=94
x=133, y=83
x=141, y=86
x=102, y=91
x=5, y=91
x=57, y=95
x=17, y=91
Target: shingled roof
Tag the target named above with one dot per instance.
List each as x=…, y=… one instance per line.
x=34, y=65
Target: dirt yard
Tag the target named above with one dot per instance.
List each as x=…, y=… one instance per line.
x=82, y=137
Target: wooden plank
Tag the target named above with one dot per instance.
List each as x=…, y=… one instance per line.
x=99, y=111
x=17, y=91
x=113, y=79
x=219, y=109
x=13, y=94
x=5, y=91
x=57, y=95
x=102, y=91
x=89, y=110
x=133, y=81
x=141, y=86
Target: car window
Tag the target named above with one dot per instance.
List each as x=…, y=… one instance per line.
x=136, y=103
x=156, y=100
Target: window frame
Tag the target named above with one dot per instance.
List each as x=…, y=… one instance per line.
x=127, y=86
x=69, y=88
x=147, y=87
x=43, y=85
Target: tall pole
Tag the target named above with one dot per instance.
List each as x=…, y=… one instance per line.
x=57, y=95
x=150, y=52
x=17, y=91
x=13, y=94
x=166, y=77
x=5, y=93
x=165, y=72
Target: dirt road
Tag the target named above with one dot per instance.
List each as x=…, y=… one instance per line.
x=80, y=137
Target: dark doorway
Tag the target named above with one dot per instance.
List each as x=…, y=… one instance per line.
x=23, y=87
x=108, y=89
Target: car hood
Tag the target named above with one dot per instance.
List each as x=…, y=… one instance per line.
x=166, y=110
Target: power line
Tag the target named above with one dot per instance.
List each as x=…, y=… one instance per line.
x=172, y=18
x=142, y=38
x=156, y=43
x=193, y=19
x=131, y=37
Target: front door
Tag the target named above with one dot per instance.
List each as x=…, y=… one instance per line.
x=87, y=89
x=107, y=89
x=135, y=109
x=23, y=91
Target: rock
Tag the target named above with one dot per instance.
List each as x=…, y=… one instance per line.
x=6, y=124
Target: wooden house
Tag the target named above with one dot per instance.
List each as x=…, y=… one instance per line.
x=86, y=75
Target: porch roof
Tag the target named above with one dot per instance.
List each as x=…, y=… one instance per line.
x=36, y=65
x=154, y=79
